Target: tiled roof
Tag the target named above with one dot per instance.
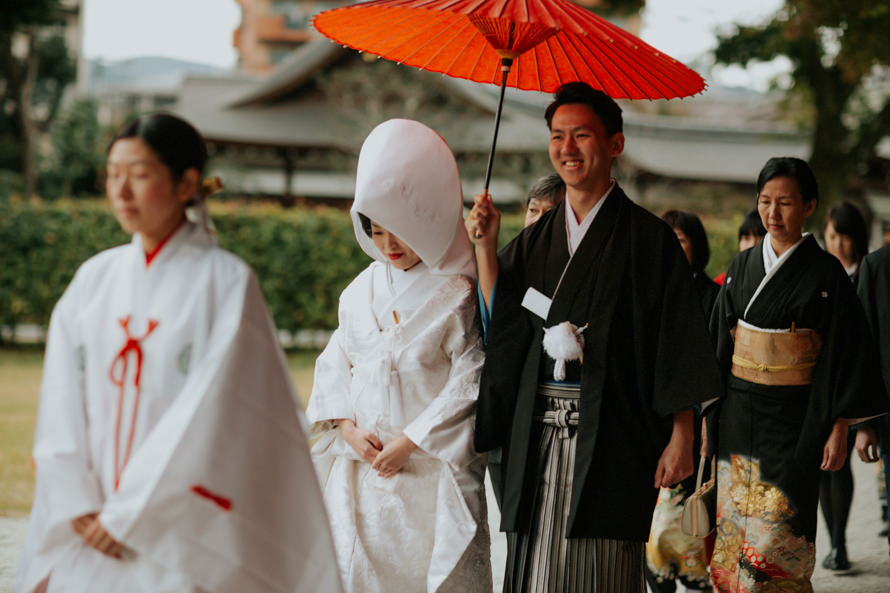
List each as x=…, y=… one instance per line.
x=269, y=111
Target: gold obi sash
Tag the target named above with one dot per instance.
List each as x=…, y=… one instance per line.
x=775, y=358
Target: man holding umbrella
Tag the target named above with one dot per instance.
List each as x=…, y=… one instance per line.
x=597, y=352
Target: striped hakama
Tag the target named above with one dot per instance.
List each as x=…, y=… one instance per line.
x=544, y=559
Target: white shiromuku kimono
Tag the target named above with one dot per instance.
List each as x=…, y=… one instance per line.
x=418, y=377
x=166, y=407
x=406, y=360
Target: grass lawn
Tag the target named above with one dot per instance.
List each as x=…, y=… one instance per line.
x=19, y=385
x=19, y=390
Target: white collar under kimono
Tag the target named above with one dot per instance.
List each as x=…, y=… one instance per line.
x=563, y=342
x=772, y=262
x=397, y=293
x=575, y=230
x=395, y=296
x=538, y=303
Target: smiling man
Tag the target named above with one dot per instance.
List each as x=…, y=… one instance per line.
x=590, y=423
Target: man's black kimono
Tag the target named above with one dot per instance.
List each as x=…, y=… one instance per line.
x=647, y=355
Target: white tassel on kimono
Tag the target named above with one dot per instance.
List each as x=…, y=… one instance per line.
x=564, y=342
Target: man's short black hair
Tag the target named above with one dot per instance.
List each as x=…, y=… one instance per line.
x=602, y=104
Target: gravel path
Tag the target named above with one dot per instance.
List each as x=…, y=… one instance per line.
x=870, y=572
x=12, y=534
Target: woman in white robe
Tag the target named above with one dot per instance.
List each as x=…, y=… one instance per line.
x=395, y=390
x=170, y=449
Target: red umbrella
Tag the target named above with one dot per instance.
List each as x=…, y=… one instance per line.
x=527, y=44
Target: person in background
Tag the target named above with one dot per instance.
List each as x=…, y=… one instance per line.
x=394, y=395
x=694, y=242
x=543, y=196
x=874, y=292
x=671, y=555
x=846, y=238
x=793, y=343
x=170, y=452
x=882, y=468
x=751, y=232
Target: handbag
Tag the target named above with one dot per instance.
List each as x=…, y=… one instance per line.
x=700, y=509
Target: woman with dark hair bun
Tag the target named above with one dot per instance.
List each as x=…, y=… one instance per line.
x=170, y=451
x=846, y=238
x=794, y=347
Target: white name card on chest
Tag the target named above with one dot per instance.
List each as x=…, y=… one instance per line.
x=536, y=302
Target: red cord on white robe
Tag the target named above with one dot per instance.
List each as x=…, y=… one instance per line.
x=122, y=361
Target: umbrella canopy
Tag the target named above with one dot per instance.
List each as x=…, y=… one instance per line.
x=549, y=42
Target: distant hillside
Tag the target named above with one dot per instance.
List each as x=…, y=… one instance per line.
x=149, y=71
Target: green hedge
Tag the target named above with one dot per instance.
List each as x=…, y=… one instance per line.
x=303, y=258
x=42, y=247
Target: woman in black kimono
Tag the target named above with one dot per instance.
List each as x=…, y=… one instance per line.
x=794, y=347
x=846, y=238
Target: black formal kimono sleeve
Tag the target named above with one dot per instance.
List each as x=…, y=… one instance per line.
x=845, y=379
x=724, y=317
x=509, y=336
x=684, y=370
x=874, y=294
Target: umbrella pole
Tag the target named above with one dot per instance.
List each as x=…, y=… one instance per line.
x=505, y=70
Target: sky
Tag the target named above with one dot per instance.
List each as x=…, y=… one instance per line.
x=201, y=30
x=685, y=30
x=193, y=30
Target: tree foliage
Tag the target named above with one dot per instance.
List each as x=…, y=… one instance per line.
x=76, y=153
x=840, y=68
x=35, y=69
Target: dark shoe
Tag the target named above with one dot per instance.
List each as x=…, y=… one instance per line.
x=836, y=560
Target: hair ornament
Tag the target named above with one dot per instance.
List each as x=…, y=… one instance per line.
x=210, y=186
x=196, y=211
